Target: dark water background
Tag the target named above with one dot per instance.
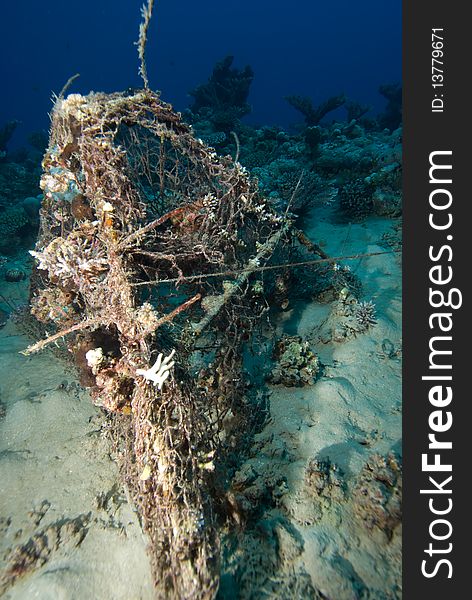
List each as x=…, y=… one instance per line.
x=307, y=47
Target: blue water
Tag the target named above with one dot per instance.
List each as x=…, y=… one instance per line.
x=305, y=47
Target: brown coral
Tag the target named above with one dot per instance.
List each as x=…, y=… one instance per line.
x=378, y=493
x=296, y=363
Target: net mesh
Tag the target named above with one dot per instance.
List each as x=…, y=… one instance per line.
x=132, y=198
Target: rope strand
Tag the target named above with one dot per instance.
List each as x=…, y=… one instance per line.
x=333, y=259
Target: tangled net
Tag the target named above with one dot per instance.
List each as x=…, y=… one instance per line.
x=137, y=219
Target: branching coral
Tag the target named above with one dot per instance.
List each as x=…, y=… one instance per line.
x=159, y=371
x=365, y=314
x=348, y=318
x=6, y=133
x=223, y=98
x=355, y=110
x=73, y=257
x=314, y=114
x=226, y=87
x=392, y=116
x=355, y=199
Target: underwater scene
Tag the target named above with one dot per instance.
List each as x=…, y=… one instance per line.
x=200, y=300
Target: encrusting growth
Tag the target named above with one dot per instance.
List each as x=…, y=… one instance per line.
x=146, y=13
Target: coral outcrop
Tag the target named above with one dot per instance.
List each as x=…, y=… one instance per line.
x=353, y=165
x=355, y=199
x=392, y=116
x=6, y=132
x=14, y=223
x=377, y=494
x=296, y=363
x=325, y=483
x=348, y=317
x=314, y=114
x=223, y=98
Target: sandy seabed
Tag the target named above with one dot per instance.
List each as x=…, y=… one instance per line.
x=61, y=494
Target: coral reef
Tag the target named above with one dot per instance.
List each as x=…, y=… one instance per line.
x=296, y=364
x=18, y=181
x=223, y=98
x=6, y=133
x=355, y=199
x=386, y=185
x=392, y=117
x=153, y=243
x=348, y=318
x=19, y=209
x=314, y=114
x=355, y=110
x=357, y=171
x=378, y=492
x=12, y=223
x=14, y=274
x=354, y=165
x=393, y=238
x=313, y=136
x=262, y=146
x=258, y=564
x=39, y=141
x=3, y=317
x=364, y=313
x=324, y=481
x=74, y=259
x=253, y=491
x=214, y=139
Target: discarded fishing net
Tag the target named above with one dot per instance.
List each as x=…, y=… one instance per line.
x=147, y=244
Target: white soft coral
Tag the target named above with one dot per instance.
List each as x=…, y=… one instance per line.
x=160, y=370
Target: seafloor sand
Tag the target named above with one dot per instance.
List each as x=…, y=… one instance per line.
x=351, y=413
x=60, y=489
